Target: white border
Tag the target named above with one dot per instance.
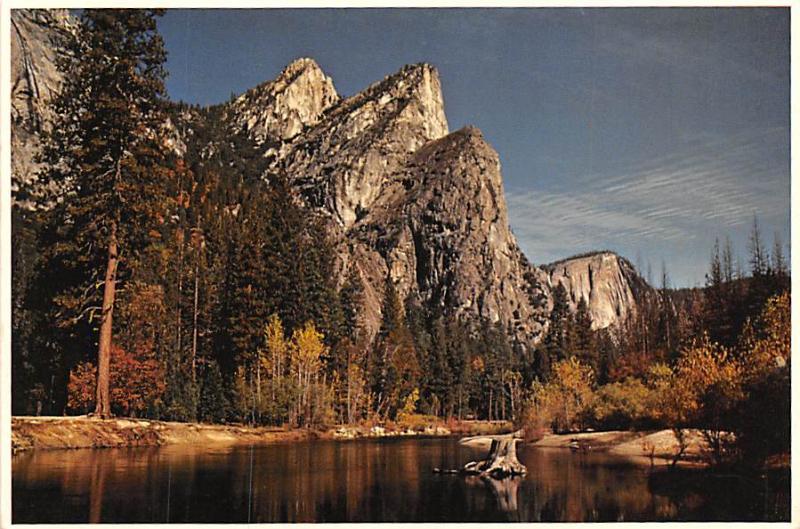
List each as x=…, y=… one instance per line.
x=5, y=266
x=795, y=222
x=5, y=199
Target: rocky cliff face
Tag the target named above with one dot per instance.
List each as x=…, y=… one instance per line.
x=404, y=199
x=440, y=227
x=277, y=111
x=339, y=152
x=608, y=283
x=342, y=163
x=37, y=40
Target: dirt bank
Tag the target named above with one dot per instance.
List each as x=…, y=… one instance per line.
x=431, y=427
x=656, y=447
x=485, y=441
x=87, y=432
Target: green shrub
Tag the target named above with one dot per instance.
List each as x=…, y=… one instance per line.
x=621, y=405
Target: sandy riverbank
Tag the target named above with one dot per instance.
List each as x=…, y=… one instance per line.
x=649, y=447
x=88, y=432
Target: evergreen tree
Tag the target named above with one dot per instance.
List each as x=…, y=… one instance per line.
x=666, y=314
x=554, y=347
x=394, y=367
x=392, y=310
x=351, y=298
x=345, y=352
x=779, y=265
x=759, y=260
x=106, y=156
x=582, y=342
x=213, y=404
x=421, y=323
x=28, y=377
x=458, y=349
x=727, y=262
x=716, y=304
x=607, y=354
x=497, y=357
x=762, y=284
x=439, y=375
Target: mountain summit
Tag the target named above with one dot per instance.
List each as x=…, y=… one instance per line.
x=342, y=162
x=278, y=110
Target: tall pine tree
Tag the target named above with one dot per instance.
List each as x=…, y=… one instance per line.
x=555, y=344
x=106, y=157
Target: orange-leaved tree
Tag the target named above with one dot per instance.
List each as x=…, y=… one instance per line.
x=137, y=384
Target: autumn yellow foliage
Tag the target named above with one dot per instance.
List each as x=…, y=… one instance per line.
x=565, y=399
x=767, y=344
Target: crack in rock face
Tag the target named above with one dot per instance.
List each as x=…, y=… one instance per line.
x=37, y=42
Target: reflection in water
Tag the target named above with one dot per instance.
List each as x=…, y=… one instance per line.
x=388, y=480
x=96, y=487
x=505, y=491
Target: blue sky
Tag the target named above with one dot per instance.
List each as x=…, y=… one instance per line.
x=650, y=132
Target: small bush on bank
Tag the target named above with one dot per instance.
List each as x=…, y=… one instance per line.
x=621, y=405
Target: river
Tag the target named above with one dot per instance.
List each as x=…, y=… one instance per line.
x=367, y=481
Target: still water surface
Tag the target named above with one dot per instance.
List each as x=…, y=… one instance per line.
x=359, y=481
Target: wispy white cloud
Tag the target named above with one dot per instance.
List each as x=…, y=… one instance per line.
x=711, y=185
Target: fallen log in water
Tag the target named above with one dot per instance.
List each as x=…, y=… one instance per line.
x=500, y=463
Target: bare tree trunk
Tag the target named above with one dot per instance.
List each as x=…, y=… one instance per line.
x=258, y=383
x=272, y=383
x=181, y=239
x=513, y=410
x=180, y=294
x=299, y=405
x=194, y=318
x=103, y=401
x=349, y=390
x=680, y=435
x=319, y=397
x=309, y=397
x=669, y=342
x=253, y=395
x=500, y=463
x=274, y=369
x=667, y=318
